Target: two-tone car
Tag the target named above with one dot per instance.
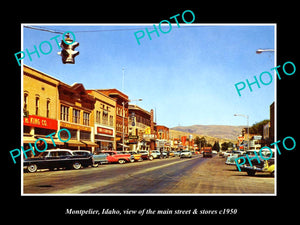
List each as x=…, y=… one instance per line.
x=259, y=164
x=57, y=158
x=118, y=157
x=98, y=158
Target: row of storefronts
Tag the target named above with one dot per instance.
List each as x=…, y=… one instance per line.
x=97, y=119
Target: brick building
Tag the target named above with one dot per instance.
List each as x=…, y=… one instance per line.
x=75, y=108
x=141, y=129
x=121, y=116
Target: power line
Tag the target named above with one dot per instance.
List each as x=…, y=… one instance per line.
x=44, y=29
x=80, y=31
x=88, y=31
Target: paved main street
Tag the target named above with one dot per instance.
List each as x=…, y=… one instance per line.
x=162, y=176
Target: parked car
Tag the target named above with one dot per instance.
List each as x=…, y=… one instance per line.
x=260, y=165
x=171, y=154
x=137, y=156
x=119, y=157
x=85, y=153
x=100, y=158
x=185, y=154
x=57, y=158
x=177, y=153
x=146, y=155
x=230, y=152
x=221, y=153
x=165, y=154
x=155, y=154
x=231, y=159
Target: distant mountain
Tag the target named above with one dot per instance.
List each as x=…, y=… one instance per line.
x=218, y=131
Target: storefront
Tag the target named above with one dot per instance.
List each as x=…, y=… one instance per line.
x=35, y=127
x=81, y=136
x=104, y=138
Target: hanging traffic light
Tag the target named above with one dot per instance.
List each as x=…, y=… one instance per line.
x=67, y=53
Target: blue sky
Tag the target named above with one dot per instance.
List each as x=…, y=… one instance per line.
x=188, y=74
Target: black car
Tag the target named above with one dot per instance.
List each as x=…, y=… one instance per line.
x=257, y=165
x=57, y=158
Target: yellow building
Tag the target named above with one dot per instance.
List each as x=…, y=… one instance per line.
x=40, y=112
x=50, y=105
x=104, y=115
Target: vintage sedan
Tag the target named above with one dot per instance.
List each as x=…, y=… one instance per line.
x=57, y=158
x=259, y=164
x=145, y=155
x=155, y=154
x=98, y=158
x=185, y=154
x=119, y=157
x=231, y=159
x=136, y=156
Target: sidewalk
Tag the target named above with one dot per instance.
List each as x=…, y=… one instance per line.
x=215, y=177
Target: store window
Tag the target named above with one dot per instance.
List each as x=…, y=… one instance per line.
x=84, y=135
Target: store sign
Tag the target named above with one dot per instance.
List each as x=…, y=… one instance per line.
x=147, y=137
x=41, y=122
x=241, y=138
x=75, y=126
x=102, y=130
x=133, y=136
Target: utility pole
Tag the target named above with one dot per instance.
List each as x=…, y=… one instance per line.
x=123, y=79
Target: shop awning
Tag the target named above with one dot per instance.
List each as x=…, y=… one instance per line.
x=89, y=143
x=28, y=139
x=75, y=143
x=126, y=146
x=49, y=140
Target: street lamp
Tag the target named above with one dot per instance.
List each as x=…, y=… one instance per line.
x=123, y=115
x=259, y=51
x=247, y=117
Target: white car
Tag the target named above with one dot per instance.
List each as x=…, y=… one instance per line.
x=185, y=154
x=155, y=154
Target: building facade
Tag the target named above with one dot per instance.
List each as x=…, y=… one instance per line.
x=121, y=128
x=163, y=140
x=75, y=109
x=141, y=129
x=104, y=115
x=40, y=112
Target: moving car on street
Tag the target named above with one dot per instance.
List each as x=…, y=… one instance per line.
x=57, y=158
x=207, y=151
